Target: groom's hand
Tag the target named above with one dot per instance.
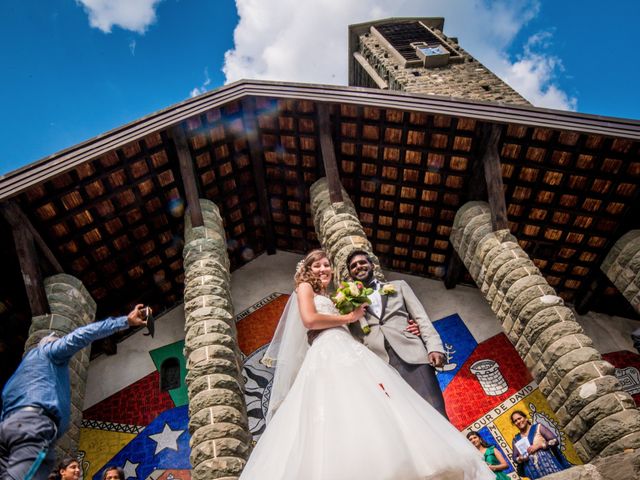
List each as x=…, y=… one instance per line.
x=437, y=359
x=413, y=327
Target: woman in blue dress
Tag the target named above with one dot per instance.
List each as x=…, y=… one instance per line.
x=535, y=448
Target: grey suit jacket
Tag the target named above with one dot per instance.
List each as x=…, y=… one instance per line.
x=397, y=308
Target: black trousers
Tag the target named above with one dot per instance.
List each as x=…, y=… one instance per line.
x=23, y=435
x=421, y=377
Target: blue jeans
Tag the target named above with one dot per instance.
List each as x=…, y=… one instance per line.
x=23, y=435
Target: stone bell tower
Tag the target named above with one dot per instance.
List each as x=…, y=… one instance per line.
x=413, y=55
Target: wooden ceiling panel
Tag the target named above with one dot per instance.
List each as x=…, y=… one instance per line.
x=113, y=216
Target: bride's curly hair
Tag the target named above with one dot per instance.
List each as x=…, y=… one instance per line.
x=304, y=273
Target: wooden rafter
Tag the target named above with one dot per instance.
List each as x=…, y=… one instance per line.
x=589, y=293
x=454, y=270
x=188, y=176
x=329, y=154
x=493, y=176
x=24, y=241
x=13, y=213
x=259, y=175
x=485, y=183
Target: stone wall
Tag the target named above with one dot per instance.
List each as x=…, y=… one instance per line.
x=599, y=417
x=338, y=228
x=220, y=438
x=622, y=267
x=267, y=274
x=71, y=307
x=623, y=466
x=468, y=79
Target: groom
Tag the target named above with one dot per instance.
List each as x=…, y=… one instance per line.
x=392, y=305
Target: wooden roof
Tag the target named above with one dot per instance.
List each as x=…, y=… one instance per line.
x=110, y=209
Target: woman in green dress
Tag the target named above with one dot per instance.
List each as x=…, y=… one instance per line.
x=492, y=455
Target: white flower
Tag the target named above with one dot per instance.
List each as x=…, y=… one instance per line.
x=340, y=297
x=387, y=289
x=353, y=289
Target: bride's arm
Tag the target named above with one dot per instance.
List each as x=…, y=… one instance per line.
x=313, y=320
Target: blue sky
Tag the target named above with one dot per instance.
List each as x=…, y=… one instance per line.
x=73, y=69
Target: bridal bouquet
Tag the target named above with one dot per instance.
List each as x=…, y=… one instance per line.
x=349, y=296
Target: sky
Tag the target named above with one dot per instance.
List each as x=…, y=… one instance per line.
x=73, y=69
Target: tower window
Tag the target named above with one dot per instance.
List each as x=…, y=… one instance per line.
x=402, y=38
x=170, y=374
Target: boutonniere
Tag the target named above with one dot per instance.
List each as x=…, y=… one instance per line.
x=387, y=289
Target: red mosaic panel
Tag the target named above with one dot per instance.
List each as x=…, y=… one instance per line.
x=257, y=328
x=175, y=475
x=464, y=396
x=137, y=404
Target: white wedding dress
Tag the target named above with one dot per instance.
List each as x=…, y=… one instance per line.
x=350, y=416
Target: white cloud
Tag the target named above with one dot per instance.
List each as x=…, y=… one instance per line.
x=132, y=47
x=532, y=76
x=134, y=15
x=306, y=41
x=195, y=91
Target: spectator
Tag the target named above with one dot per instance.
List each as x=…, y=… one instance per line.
x=36, y=401
x=536, y=449
x=492, y=456
x=113, y=473
x=68, y=469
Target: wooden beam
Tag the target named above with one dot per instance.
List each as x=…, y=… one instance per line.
x=329, y=154
x=109, y=345
x=259, y=172
x=587, y=296
x=493, y=176
x=476, y=190
x=28, y=260
x=454, y=271
x=15, y=216
x=485, y=183
x=188, y=176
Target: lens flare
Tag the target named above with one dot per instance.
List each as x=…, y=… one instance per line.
x=247, y=254
x=232, y=245
x=176, y=207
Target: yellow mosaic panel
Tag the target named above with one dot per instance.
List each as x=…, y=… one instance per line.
x=97, y=447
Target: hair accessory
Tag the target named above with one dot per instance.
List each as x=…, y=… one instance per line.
x=300, y=266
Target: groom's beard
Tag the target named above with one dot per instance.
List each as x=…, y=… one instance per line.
x=367, y=281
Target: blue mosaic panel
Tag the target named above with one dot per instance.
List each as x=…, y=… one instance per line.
x=163, y=444
x=458, y=343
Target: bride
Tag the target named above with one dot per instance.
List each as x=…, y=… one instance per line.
x=338, y=412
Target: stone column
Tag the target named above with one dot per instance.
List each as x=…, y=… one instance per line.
x=71, y=307
x=622, y=267
x=598, y=415
x=220, y=437
x=339, y=230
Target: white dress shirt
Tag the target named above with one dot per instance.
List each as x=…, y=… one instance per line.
x=376, y=300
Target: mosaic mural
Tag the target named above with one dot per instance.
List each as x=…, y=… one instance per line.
x=141, y=428
x=627, y=371
x=144, y=430
x=482, y=383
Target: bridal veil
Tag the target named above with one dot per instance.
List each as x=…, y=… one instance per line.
x=286, y=352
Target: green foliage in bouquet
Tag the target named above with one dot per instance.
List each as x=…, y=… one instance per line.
x=349, y=296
